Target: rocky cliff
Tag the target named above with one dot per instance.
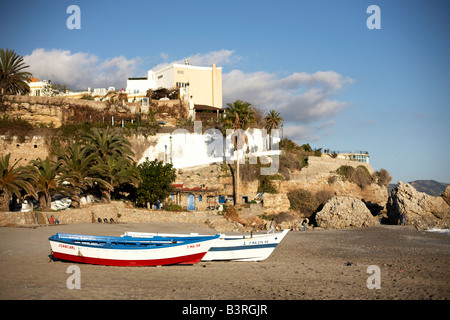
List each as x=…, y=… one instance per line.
x=422, y=210
x=321, y=175
x=45, y=110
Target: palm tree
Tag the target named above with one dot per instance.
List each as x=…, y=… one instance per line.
x=239, y=115
x=114, y=152
x=46, y=180
x=241, y=110
x=107, y=142
x=273, y=121
x=121, y=172
x=13, y=180
x=80, y=171
x=13, y=80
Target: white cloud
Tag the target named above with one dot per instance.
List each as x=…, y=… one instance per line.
x=305, y=101
x=299, y=97
x=220, y=58
x=80, y=70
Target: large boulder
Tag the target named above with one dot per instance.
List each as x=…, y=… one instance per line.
x=344, y=212
x=422, y=210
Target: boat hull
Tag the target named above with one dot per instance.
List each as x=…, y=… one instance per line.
x=234, y=248
x=188, y=252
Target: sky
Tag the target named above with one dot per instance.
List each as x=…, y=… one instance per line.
x=337, y=83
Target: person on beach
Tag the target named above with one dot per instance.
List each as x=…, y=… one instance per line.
x=53, y=220
x=403, y=217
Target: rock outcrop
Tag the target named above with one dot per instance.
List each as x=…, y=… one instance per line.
x=422, y=210
x=344, y=212
x=446, y=195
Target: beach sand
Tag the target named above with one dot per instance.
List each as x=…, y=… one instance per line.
x=325, y=264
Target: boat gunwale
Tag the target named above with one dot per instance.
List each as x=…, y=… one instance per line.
x=119, y=243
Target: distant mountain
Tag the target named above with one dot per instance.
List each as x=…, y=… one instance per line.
x=431, y=187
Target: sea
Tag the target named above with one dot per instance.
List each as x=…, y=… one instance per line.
x=444, y=231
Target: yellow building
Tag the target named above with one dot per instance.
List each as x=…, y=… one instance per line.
x=197, y=85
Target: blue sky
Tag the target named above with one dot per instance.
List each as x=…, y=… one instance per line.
x=338, y=84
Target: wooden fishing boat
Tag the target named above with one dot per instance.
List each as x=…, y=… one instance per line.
x=253, y=247
x=130, y=251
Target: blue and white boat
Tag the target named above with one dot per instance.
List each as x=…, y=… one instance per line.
x=253, y=247
x=130, y=251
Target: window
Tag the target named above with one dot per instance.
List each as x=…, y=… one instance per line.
x=199, y=198
x=181, y=85
x=180, y=72
x=145, y=102
x=159, y=77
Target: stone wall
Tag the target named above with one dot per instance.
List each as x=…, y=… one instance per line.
x=121, y=213
x=30, y=149
x=17, y=218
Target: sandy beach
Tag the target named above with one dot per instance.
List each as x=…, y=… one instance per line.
x=325, y=264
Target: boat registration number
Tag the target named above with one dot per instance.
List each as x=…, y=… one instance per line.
x=66, y=246
x=255, y=242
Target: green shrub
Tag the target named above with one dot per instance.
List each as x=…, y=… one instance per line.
x=174, y=207
x=15, y=127
x=361, y=175
x=307, y=203
x=346, y=171
x=383, y=177
x=265, y=185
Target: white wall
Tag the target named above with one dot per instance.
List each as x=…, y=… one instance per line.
x=192, y=149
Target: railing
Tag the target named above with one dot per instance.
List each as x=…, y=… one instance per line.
x=350, y=152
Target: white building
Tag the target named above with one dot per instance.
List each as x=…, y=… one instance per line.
x=210, y=147
x=199, y=85
x=36, y=86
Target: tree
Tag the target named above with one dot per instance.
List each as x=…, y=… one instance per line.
x=273, y=120
x=13, y=78
x=240, y=110
x=80, y=170
x=121, y=172
x=156, y=184
x=13, y=180
x=239, y=115
x=107, y=142
x=113, y=151
x=383, y=178
x=46, y=182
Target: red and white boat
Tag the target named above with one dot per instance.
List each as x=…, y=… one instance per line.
x=128, y=251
